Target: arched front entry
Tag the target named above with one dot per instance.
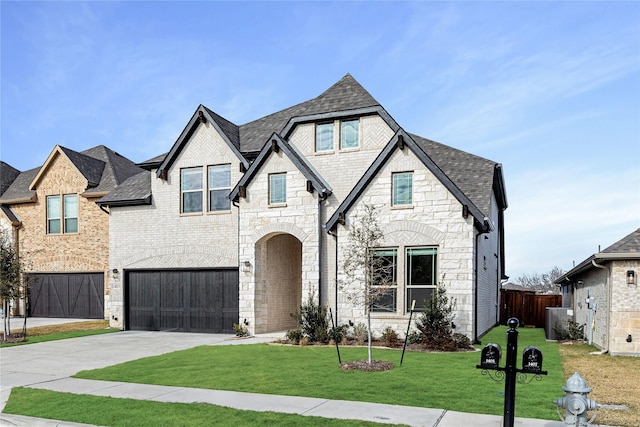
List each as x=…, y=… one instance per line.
x=278, y=282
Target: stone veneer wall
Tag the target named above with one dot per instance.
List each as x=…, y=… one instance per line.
x=625, y=310
x=435, y=218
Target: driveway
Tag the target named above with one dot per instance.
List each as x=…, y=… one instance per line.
x=36, y=363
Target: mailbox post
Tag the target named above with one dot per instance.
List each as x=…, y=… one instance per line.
x=531, y=364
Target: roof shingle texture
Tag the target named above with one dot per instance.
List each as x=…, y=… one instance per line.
x=629, y=244
x=103, y=168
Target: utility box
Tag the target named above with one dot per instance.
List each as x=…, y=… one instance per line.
x=561, y=315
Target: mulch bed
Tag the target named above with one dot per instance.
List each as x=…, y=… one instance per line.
x=13, y=338
x=364, y=365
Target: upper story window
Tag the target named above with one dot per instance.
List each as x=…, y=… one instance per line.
x=219, y=188
x=421, y=268
x=191, y=190
x=62, y=214
x=324, y=137
x=349, y=134
x=402, y=191
x=385, y=279
x=277, y=188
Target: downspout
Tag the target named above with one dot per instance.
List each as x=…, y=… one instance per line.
x=321, y=198
x=335, y=238
x=475, y=293
x=606, y=310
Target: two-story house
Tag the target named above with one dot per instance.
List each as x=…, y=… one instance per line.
x=240, y=224
x=61, y=233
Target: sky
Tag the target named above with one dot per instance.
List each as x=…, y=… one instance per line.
x=551, y=90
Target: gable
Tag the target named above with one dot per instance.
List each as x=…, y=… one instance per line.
x=203, y=117
x=403, y=141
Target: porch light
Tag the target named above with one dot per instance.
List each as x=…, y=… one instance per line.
x=246, y=267
x=631, y=277
x=115, y=274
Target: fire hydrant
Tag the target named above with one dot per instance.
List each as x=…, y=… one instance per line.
x=576, y=403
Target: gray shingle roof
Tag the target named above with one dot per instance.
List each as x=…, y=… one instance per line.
x=473, y=175
x=103, y=168
x=136, y=190
x=626, y=248
x=7, y=175
x=628, y=244
x=346, y=94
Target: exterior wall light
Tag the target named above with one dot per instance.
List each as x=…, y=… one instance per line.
x=115, y=274
x=246, y=267
x=631, y=277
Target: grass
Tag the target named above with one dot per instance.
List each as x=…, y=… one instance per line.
x=61, y=331
x=435, y=380
x=127, y=412
x=614, y=380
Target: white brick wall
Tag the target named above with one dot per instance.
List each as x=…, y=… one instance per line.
x=158, y=236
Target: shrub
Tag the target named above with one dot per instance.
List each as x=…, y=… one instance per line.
x=435, y=323
x=390, y=337
x=573, y=332
x=294, y=336
x=360, y=333
x=313, y=321
x=339, y=333
x=240, y=330
x=415, y=337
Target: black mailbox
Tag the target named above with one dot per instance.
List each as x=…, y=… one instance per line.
x=490, y=356
x=532, y=360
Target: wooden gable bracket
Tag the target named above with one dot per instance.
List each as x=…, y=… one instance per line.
x=465, y=211
x=163, y=174
x=242, y=191
x=309, y=186
x=274, y=146
x=400, y=142
x=243, y=168
x=341, y=219
x=201, y=117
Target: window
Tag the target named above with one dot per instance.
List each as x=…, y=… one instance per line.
x=349, y=130
x=324, y=137
x=421, y=273
x=219, y=188
x=57, y=211
x=53, y=215
x=70, y=213
x=277, y=188
x=191, y=187
x=402, y=189
x=385, y=279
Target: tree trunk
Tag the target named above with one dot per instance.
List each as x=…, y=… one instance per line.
x=369, y=335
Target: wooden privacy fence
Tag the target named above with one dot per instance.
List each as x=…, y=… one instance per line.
x=527, y=306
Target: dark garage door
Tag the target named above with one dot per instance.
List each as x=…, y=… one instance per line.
x=76, y=295
x=185, y=301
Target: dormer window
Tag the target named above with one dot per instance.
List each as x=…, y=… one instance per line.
x=277, y=189
x=349, y=134
x=324, y=137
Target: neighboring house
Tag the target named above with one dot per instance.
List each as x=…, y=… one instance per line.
x=603, y=290
x=8, y=220
x=61, y=233
x=241, y=224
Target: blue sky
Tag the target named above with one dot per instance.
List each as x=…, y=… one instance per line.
x=549, y=89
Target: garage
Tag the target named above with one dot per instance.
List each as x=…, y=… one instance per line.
x=182, y=301
x=74, y=295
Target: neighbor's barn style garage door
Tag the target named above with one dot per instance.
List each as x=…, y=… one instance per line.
x=76, y=295
x=185, y=301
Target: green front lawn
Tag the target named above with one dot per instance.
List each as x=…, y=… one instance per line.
x=435, y=380
x=59, y=336
x=134, y=413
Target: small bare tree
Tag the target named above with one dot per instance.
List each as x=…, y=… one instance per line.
x=13, y=280
x=367, y=275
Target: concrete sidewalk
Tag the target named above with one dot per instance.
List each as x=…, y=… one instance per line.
x=50, y=365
